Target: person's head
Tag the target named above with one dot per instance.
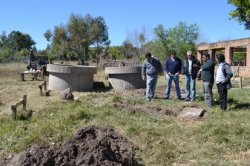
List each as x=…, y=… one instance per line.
x=148, y=56
x=220, y=58
x=173, y=54
x=205, y=57
x=189, y=54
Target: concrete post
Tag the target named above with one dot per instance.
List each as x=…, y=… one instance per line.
x=125, y=78
x=240, y=83
x=199, y=55
x=248, y=56
x=228, y=52
x=22, y=76
x=76, y=77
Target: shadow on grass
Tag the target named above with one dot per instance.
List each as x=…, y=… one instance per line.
x=235, y=105
x=100, y=87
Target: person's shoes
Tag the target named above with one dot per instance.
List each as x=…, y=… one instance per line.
x=179, y=98
x=187, y=99
x=148, y=99
x=166, y=98
x=192, y=99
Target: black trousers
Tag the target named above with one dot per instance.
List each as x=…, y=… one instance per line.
x=222, y=90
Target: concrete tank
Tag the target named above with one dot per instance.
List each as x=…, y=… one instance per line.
x=125, y=77
x=76, y=77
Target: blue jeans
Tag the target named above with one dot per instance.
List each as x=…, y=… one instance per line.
x=190, y=83
x=151, y=85
x=169, y=84
x=208, y=93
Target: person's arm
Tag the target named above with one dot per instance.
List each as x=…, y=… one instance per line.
x=198, y=64
x=179, y=67
x=159, y=67
x=183, y=67
x=229, y=73
x=207, y=66
x=143, y=71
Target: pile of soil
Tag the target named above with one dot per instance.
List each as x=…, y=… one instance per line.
x=90, y=146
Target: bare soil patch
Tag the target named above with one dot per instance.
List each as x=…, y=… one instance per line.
x=9, y=74
x=90, y=146
x=148, y=108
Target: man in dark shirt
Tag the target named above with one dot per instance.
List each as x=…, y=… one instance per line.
x=173, y=69
x=207, y=75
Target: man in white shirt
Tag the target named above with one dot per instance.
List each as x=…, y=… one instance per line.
x=190, y=68
x=222, y=79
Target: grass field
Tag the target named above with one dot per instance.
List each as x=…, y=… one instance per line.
x=217, y=139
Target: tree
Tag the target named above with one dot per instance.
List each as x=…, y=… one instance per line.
x=242, y=11
x=48, y=35
x=157, y=49
x=60, y=42
x=162, y=36
x=78, y=35
x=128, y=49
x=3, y=39
x=180, y=38
x=138, y=38
x=115, y=52
x=99, y=36
x=24, y=52
x=14, y=45
x=18, y=41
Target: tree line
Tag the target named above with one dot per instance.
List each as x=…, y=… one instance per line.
x=86, y=38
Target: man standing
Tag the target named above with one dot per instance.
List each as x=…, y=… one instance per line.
x=150, y=69
x=173, y=69
x=223, y=76
x=190, y=68
x=207, y=76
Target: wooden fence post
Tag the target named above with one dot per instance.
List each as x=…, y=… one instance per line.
x=24, y=102
x=14, y=106
x=240, y=83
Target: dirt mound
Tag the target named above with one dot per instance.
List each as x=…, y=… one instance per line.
x=147, y=108
x=90, y=146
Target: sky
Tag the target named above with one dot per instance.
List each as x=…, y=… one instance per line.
x=123, y=17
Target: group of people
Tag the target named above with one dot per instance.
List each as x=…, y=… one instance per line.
x=34, y=67
x=193, y=70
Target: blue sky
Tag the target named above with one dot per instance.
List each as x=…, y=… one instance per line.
x=122, y=17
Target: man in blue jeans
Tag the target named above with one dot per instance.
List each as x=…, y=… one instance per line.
x=190, y=68
x=173, y=69
x=150, y=69
x=207, y=75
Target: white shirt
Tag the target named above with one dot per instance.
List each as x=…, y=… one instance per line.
x=219, y=74
x=189, y=66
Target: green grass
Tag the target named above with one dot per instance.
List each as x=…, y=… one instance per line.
x=218, y=139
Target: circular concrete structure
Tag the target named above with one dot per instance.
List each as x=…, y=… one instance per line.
x=125, y=78
x=76, y=77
